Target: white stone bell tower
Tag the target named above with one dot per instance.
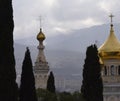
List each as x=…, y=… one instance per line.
x=41, y=67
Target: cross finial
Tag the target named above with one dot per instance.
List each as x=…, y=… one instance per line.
x=111, y=17
x=40, y=18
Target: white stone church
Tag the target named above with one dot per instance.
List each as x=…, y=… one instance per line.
x=109, y=54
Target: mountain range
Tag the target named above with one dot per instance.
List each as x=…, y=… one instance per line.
x=65, y=52
x=76, y=40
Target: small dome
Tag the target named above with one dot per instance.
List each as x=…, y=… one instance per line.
x=40, y=36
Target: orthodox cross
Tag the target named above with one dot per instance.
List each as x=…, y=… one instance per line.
x=40, y=18
x=111, y=17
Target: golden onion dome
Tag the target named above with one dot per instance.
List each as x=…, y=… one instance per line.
x=41, y=36
x=111, y=47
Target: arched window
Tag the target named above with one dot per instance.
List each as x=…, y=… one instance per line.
x=112, y=70
x=119, y=70
x=105, y=70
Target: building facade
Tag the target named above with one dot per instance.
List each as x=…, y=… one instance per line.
x=109, y=54
x=41, y=68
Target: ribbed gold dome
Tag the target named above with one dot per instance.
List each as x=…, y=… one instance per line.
x=111, y=47
x=41, y=36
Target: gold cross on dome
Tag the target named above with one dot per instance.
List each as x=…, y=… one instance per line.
x=111, y=17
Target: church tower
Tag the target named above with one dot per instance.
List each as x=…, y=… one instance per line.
x=109, y=54
x=41, y=67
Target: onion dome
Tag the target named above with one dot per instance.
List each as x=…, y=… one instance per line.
x=41, y=36
x=111, y=47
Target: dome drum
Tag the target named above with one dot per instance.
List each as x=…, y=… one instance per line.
x=109, y=54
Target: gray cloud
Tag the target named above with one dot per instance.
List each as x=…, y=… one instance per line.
x=61, y=15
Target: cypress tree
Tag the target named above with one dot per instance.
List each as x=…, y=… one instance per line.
x=92, y=86
x=27, y=87
x=8, y=86
x=51, y=83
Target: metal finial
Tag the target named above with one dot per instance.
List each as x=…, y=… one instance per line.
x=27, y=48
x=111, y=17
x=40, y=18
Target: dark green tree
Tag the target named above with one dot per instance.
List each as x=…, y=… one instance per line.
x=66, y=96
x=27, y=87
x=45, y=95
x=8, y=86
x=77, y=96
x=92, y=86
x=51, y=83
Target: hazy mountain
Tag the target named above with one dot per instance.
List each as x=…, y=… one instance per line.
x=68, y=61
x=76, y=40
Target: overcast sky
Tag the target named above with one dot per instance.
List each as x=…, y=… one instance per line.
x=61, y=15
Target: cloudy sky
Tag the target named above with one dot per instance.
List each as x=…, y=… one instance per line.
x=61, y=15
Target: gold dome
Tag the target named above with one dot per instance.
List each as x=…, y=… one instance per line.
x=111, y=47
x=41, y=36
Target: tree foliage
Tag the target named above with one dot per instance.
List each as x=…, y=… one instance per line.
x=27, y=86
x=45, y=95
x=51, y=83
x=66, y=96
x=8, y=86
x=92, y=87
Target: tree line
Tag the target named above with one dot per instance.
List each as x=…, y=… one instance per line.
x=91, y=89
